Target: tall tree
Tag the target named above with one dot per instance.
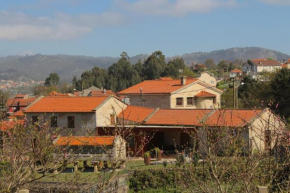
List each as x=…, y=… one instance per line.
x=280, y=90
x=210, y=64
x=154, y=65
x=52, y=80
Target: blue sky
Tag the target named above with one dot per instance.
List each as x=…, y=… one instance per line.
x=108, y=27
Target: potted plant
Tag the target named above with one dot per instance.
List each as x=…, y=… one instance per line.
x=158, y=152
x=147, y=158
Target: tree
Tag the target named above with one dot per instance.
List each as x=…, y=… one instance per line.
x=210, y=64
x=154, y=65
x=52, y=80
x=280, y=87
x=3, y=99
x=41, y=90
x=174, y=68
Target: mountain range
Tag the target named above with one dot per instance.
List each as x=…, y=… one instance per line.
x=38, y=67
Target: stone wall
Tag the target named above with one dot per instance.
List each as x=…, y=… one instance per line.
x=85, y=123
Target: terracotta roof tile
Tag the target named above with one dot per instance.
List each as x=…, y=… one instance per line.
x=136, y=114
x=157, y=86
x=180, y=117
x=204, y=94
x=56, y=94
x=86, y=141
x=65, y=104
x=101, y=93
x=236, y=71
x=21, y=101
x=18, y=114
x=165, y=78
x=265, y=62
x=232, y=118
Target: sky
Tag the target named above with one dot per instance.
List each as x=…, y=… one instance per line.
x=109, y=27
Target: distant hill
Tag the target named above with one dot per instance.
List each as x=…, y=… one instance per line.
x=233, y=54
x=38, y=67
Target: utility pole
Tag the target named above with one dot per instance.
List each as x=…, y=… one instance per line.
x=234, y=96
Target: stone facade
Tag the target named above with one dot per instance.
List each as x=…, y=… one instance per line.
x=169, y=101
x=84, y=123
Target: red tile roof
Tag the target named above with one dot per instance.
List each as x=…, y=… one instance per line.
x=86, y=141
x=192, y=117
x=101, y=93
x=236, y=71
x=18, y=113
x=204, y=94
x=56, y=94
x=22, y=102
x=65, y=104
x=232, y=118
x=21, y=96
x=136, y=114
x=165, y=78
x=157, y=86
x=180, y=117
x=265, y=62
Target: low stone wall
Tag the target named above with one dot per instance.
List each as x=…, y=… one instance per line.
x=117, y=185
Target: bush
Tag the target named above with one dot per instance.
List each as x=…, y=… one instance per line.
x=153, y=179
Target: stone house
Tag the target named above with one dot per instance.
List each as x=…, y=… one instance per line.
x=235, y=73
x=166, y=93
x=180, y=129
x=75, y=115
x=255, y=66
x=19, y=102
x=94, y=148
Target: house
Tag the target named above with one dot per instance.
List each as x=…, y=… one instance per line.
x=208, y=78
x=183, y=93
x=94, y=148
x=286, y=64
x=180, y=129
x=103, y=92
x=235, y=73
x=87, y=91
x=197, y=67
x=75, y=115
x=255, y=66
x=56, y=94
x=19, y=102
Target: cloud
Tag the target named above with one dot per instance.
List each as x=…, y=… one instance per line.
x=19, y=26
x=174, y=7
x=278, y=2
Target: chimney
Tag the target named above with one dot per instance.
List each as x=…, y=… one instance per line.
x=183, y=80
x=104, y=91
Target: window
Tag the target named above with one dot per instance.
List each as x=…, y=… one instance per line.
x=189, y=100
x=71, y=122
x=53, y=121
x=179, y=101
x=34, y=120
